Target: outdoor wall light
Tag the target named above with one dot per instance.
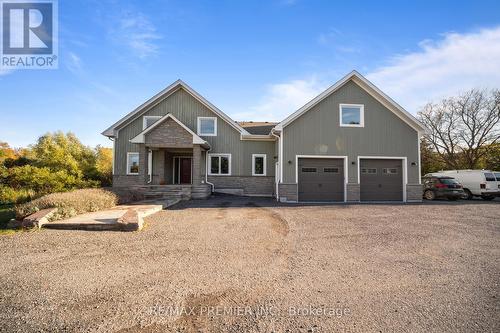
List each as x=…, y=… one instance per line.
x=289, y=162
x=353, y=163
x=413, y=163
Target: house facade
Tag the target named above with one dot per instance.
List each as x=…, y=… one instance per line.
x=351, y=143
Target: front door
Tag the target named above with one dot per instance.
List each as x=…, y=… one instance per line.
x=185, y=171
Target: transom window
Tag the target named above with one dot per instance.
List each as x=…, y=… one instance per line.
x=219, y=164
x=258, y=164
x=352, y=115
x=132, y=163
x=369, y=170
x=308, y=169
x=207, y=126
x=390, y=171
x=331, y=170
x=148, y=121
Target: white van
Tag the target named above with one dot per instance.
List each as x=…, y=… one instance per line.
x=479, y=183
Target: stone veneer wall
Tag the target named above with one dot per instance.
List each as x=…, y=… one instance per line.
x=414, y=192
x=250, y=185
x=127, y=180
x=353, y=192
x=288, y=192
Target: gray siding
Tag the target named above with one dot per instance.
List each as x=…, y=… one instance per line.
x=317, y=132
x=186, y=108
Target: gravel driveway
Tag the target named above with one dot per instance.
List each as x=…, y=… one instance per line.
x=246, y=265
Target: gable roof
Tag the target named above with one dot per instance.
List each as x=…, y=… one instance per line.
x=140, y=138
x=111, y=131
x=370, y=88
x=257, y=127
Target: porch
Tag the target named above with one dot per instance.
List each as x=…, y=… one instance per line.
x=174, y=173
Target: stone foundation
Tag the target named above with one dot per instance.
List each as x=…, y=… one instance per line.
x=247, y=185
x=353, y=192
x=288, y=192
x=413, y=192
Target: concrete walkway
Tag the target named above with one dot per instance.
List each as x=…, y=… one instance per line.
x=110, y=219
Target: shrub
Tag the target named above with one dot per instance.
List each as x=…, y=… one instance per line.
x=10, y=195
x=69, y=204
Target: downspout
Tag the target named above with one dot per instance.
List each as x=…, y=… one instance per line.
x=113, y=152
x=279, y=169
x=206, y=169
x=150, y=166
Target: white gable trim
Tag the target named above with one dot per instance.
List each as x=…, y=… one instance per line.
x=141, y=136
x=369, y=88
x=156, y=99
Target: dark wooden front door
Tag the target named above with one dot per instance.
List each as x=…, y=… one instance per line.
x=185, y=170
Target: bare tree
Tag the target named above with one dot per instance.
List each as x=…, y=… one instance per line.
x=462, y=128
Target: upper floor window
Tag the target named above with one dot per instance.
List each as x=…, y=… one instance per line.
x=148, y=121
x=352, y=115
x=207, y=126
x=132, y=163
x=258, y=164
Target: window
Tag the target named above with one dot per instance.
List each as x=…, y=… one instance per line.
x=332, y=170
x=389, y=171
x=207, y=126
x=132, y=163
x=489, y=177
x=219, y=164
x=371, y=171
x=352, y=115
x=497, y=175
x=148, y=121
x=308, y=169
x=258, y=164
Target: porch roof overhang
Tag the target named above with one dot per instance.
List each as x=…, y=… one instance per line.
x=141, y=137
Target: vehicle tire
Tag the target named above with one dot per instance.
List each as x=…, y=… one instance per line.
x=429, y=195
x=487, y=197
x=468, y=194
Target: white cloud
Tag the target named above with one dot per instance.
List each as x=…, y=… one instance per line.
x=136, y=31
x=282, y=99
x=74, y=63
x=441, y=68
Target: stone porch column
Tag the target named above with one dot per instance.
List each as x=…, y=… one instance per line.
x=143, y=163
x=196, y=165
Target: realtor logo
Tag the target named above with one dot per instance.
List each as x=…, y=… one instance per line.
x=29, y=34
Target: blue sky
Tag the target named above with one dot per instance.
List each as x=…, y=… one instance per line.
x=255, y=60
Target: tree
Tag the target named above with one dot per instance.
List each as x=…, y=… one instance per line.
x=431, y=161
x=58, y=151
x=491, y=160
x=462, y=129
x=104, y=165
x=6, y=152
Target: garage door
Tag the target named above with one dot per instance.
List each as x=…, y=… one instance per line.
x=381, y=180
x=321, y=179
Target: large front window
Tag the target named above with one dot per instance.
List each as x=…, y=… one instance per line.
x=352, y=115
x=219, y=164
x=207, y=126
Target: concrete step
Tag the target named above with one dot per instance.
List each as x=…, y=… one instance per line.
x=83, y=226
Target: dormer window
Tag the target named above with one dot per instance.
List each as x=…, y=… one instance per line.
x=207, y=126
x=352, y=115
